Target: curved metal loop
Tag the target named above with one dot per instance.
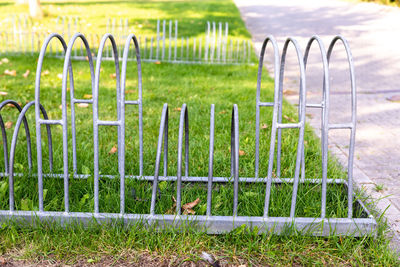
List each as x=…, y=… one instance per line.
x=324, y=117
x=4, y=135
x=269, y=39
x=68, y=69
x=133, y=38
x=277, y=116
x=235, y=156
x=183, y=122
x=162, y=139
x=22, y=119
x=39, y=121
x=95, y=96
x=352, y=126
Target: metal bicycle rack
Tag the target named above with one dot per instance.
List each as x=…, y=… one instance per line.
x=209, y=222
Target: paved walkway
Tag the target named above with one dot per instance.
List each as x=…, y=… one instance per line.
x=373, y=32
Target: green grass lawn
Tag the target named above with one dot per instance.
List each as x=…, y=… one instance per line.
x=198, y=86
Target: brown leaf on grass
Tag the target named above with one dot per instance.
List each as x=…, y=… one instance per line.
x=26, y=74
x=129, y=91
x=242, y=153
x=113, y=75
x=113, y=150
x=264, y=126
x=289, y=92
x=10, y=72
x=157, y=62
x=187, y=208
x=177, y=109
x=88, y=96
x=45, y=73
x=288, y=118
x=83, y=105
x=191, y=205
x=8, y=124
x=4, y=60
x=222, y=112
x=4, y=93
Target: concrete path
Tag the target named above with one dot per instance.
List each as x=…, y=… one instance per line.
x=373, y=32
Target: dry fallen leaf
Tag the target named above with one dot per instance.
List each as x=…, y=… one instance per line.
x=222, y=112
x=10, y=72
x=26, y=74
x=191, y=205
x=289, y=92
x=4, y=93
x=83, y=105
x=177, y=109
x=45, y=73
x=242, y=153
x=264, y=126
x=8, y=124
x=129, y=91
x=288, y=118
x=113, y=75
x=157, y=62
x=113, y=150
x=5, y=60
x=87, y=96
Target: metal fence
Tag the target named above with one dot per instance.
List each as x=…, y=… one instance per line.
x=322, y=225
x=19, y=35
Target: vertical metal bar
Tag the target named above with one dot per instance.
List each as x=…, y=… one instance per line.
x=210, y=162
x=200, y=49
x=235, y=151
x=187, y=49
x=163, y=45
x=151, y=48
x=183, y=122
x=166, y=150
x=213, y=43
x=182, y=43
x=163, y=124
x=225, y=43
x=158, y=38
x=244, y=51
x=249, y=51
x=194, y=49
x=176, y=39
x=219, y=42
x=169, y=40
x=145, y=48
x=207, y=45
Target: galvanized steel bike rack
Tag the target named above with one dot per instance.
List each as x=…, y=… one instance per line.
x=212, y=223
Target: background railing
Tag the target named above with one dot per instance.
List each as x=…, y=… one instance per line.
x=216, y=46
